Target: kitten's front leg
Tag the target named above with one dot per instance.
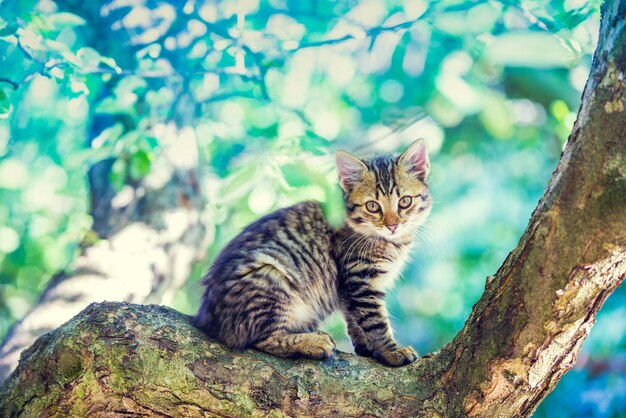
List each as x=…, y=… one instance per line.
x=359, y=340
x=367, y=313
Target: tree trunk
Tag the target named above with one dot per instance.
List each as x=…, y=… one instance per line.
x=521, y=337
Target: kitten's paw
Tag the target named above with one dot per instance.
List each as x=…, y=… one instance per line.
x=397, y=357
x=316, y=345
x=319, y=345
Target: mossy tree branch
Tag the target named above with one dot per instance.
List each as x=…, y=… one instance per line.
x=521, y=337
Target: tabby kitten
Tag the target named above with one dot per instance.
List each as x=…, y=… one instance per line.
x=273, y=284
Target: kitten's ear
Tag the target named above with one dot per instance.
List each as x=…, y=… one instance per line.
x=415, y=159
x=350, y=169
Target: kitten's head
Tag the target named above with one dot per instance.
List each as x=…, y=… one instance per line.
x=386, y=196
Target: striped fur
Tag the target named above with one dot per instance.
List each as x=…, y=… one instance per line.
x=273, y=284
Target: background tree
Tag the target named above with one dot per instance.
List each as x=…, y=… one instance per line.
x=270, y=91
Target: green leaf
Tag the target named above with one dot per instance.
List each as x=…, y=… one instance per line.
x=109, y=105
x=315, y=144
x=109, y=136
x=572, y=18
x=64, y=20
x=7, y=29
x=483, y=17
x=151, y=141
x=496, y=117
x=29, y=39
x=152, y=50
x=238, y=183
x=102, y=146
x=78, y=85
x=295, y=175
x=88, y=58
x=559, y=109
x=40, y=23
x=140, y=164
x=130, y=140
x=56, y=46
x=5, y=105
x=118, y=174
x=86, y=157
x=110, y=62
x=117, y=105
x=530, y=49
x=130, y=84
x=161, y=97
x=70, y=57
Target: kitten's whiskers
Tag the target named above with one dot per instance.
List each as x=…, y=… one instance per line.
x=352, y=248
x=435, y=244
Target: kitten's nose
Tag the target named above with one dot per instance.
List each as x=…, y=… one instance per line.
x=392, y=228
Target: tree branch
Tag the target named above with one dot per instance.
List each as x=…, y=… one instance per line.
x=12, y=83
x=373, y=32
x=119, y=354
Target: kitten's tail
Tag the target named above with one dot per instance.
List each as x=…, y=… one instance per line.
x=204, y=319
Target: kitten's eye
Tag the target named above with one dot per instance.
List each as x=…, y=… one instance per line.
x=405, y=202
x=372, y=206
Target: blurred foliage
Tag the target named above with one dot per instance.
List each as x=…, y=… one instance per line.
x=270, y=90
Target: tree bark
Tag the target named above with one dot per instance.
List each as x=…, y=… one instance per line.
x=521, y=337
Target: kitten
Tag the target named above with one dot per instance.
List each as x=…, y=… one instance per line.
x=273, y=284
